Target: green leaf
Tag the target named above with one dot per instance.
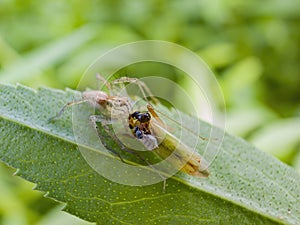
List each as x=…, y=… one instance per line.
x=270, y=138
x=246, y=186
x=42, y=57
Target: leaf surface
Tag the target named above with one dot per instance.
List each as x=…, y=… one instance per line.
x=246, y=186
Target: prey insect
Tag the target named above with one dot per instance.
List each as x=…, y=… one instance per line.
x=148, y=125
x=182, y=156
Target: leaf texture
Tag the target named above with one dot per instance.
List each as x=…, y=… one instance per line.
x=246, y=186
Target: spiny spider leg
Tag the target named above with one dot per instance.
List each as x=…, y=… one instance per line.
x=111, y=86
x=105, y=122
x=69, y=104
x=142, y=86
x=102, y=79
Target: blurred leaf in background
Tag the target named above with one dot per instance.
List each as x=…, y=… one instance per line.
x=252, y=46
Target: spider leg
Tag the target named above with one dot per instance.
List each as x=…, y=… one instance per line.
x=141, y=85
x=69, y=104
x=102, y=79
x=105, y=125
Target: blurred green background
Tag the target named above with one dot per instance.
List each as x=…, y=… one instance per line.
x=253, y=47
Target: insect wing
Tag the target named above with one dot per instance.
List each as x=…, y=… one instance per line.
x=178, y=153
x=149, y=141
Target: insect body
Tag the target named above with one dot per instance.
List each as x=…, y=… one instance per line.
x=178, y=153
x=139, y=124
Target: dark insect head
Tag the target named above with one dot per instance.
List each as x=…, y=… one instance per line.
x=143, y=117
